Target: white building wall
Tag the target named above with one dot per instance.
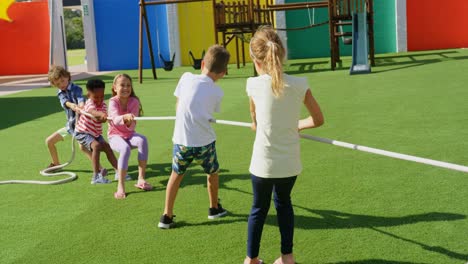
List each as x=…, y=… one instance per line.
x=280, y=17
x=89, y=31
x=174, y=38
x=58, y=42
x=401, y=26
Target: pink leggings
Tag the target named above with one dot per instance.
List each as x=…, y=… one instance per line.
x=124, y=147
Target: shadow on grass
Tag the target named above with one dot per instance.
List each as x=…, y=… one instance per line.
x=402, y=61
x=228, y=219
x=342, y=220
x=162, y=171
x=413, y=56
x=436, y=249
x=338, y=220
x=194, y=175
x=317, y=223
x=130, y=189
x=313, y=66
x=330, y=219
x=375, y=261
x=414, y=60
x=152, y=170
x=30, y=108
x=23, y=109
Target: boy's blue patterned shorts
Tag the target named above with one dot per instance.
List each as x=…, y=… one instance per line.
x=183, y=156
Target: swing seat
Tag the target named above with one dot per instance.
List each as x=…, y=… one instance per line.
x=168, y=65
x=196, y=62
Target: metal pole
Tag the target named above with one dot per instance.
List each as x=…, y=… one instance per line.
x=140, y=46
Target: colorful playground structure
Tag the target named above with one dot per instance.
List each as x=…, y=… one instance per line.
x=238, y=20
x=132, y=34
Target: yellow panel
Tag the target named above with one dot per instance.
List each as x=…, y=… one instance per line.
x=196, y=29
x=196, y=33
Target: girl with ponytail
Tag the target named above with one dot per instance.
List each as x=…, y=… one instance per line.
x=275, y=107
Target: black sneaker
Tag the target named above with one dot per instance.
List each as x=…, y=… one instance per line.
x=214, y=213
x=166, y=222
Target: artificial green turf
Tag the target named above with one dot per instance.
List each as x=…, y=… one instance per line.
x=76, y=57
x=351, y=207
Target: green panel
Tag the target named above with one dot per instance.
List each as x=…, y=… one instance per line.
x=314, y=42
x=308, y=43
x=385, y=26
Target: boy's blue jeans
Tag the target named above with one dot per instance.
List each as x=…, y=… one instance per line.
x=262, y=189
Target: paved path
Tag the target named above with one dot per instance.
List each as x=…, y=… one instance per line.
x=18, y=83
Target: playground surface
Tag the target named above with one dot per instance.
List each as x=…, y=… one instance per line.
x=18, y=83
x=350, y=206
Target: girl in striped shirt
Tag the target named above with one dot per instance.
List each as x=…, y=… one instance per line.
x=88, y=131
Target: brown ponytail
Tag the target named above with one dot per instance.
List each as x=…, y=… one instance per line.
x=266, y=48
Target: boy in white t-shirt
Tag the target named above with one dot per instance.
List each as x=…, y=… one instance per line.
x=198, y=97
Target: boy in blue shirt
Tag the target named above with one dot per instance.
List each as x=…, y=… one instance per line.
x=71, y=99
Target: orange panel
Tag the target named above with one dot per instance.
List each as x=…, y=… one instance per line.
x=435, y=24
x=24, y=45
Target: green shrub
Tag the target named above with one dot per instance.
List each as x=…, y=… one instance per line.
x=74, y=29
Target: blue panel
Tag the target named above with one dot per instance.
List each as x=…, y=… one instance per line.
x=161, y=33
x=117, y=26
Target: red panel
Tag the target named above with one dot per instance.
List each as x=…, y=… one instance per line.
x=435, y=24
x=24, y=45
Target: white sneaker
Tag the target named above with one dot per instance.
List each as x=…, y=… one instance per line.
x=127, y=177
x=99, y=179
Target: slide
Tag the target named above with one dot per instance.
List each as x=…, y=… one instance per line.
x=360, y=45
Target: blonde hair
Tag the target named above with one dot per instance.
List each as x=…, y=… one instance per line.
x=216, y=59
x=267, y=49
x=56, y=72
x=132, y=94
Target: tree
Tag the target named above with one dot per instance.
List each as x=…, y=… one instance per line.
x=74, y=29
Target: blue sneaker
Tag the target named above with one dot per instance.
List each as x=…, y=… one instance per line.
x=99, y=179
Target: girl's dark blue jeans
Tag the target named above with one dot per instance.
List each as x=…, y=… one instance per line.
x=262, y=189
